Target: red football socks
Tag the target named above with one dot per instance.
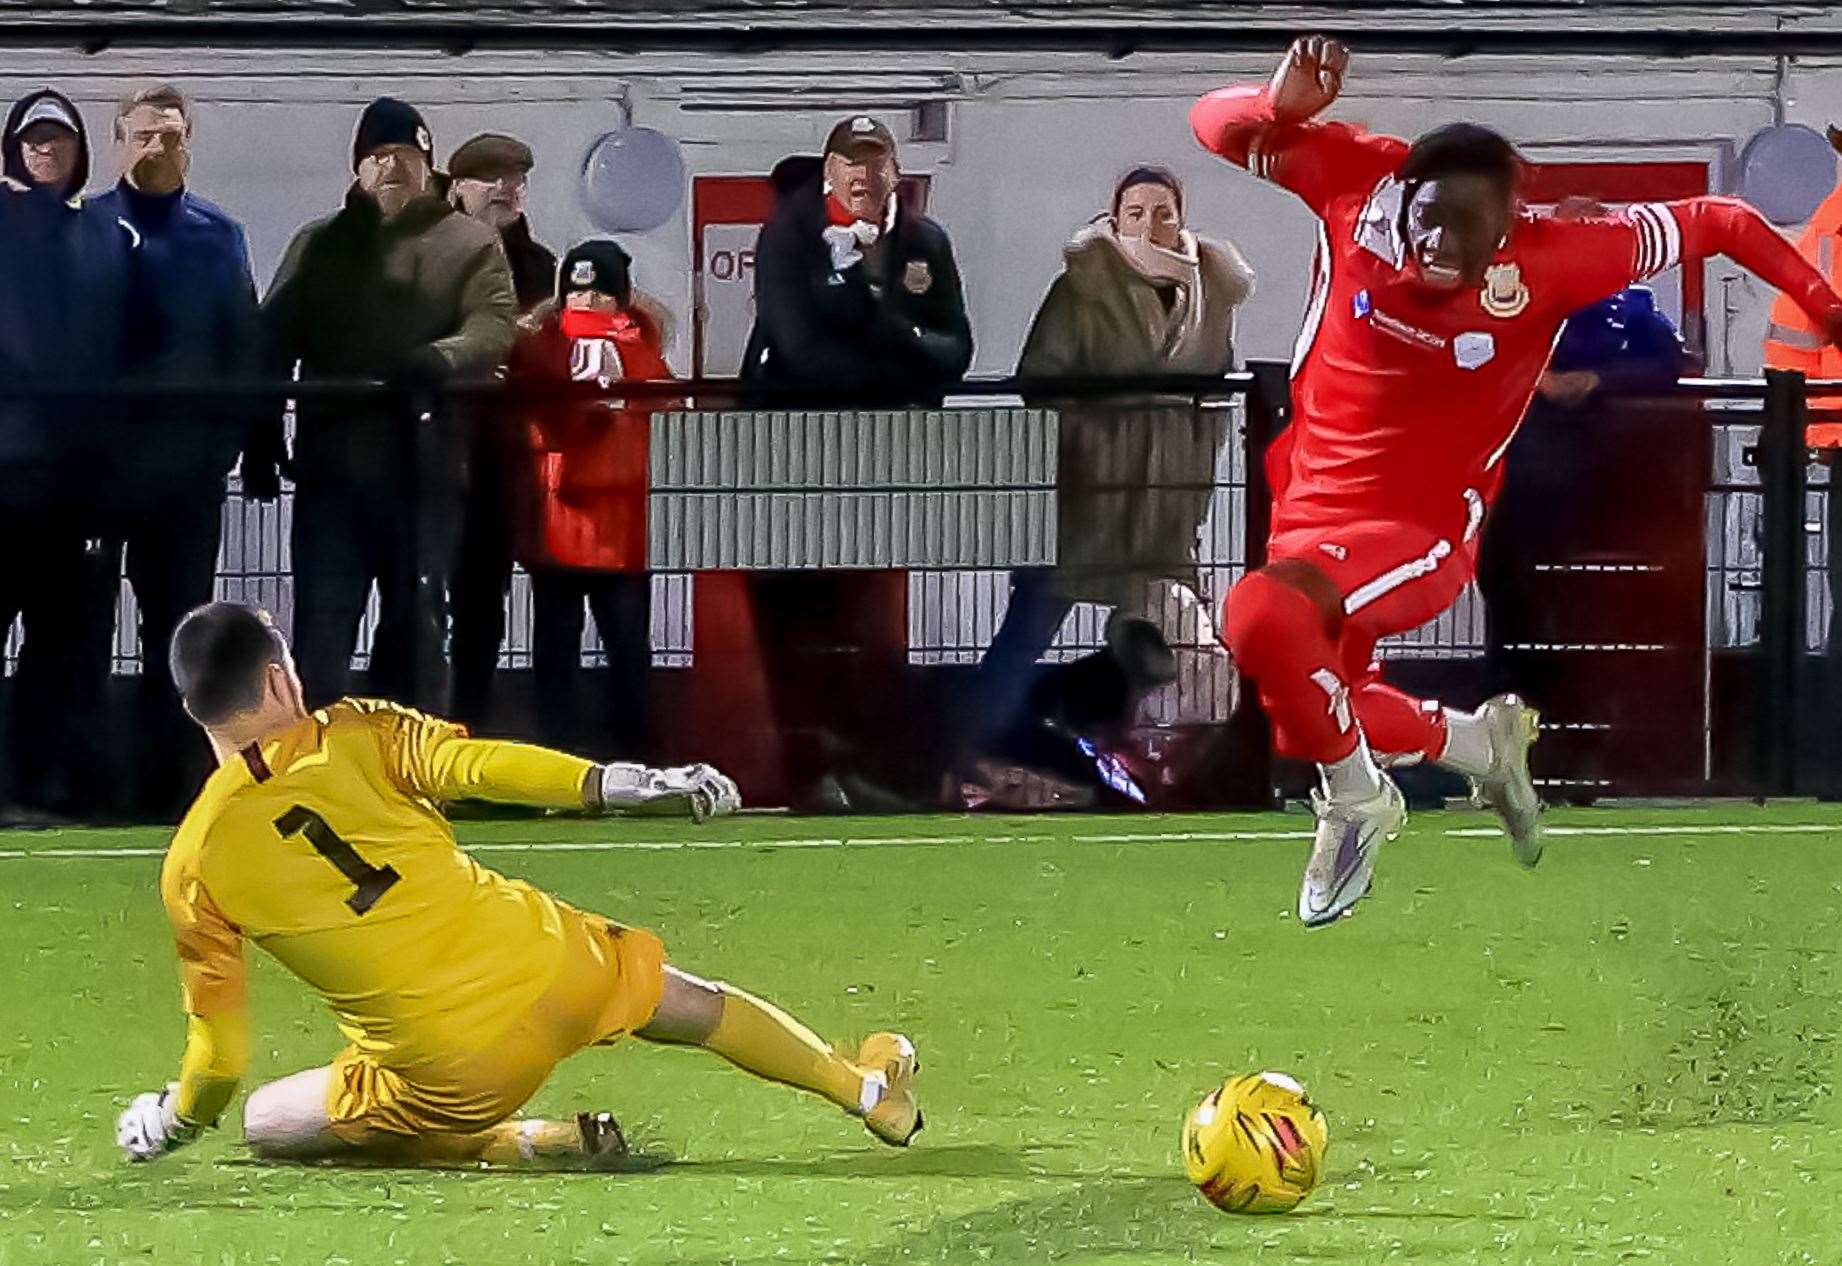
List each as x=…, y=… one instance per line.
x=1281, y=639
x=1317, y=701
x=1402, y=729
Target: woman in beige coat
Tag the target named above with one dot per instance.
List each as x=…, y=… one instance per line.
x=1139, y=294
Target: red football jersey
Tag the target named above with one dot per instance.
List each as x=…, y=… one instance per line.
x=1404, y=397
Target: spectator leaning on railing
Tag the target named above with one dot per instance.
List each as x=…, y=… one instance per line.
x=857, y=297
x=488, y=176
x=65, y=277
x=196, y=311
x=582, y=526
x=400, y=286
x=1139, y=295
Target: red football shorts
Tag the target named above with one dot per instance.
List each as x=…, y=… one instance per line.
x=1393, y=577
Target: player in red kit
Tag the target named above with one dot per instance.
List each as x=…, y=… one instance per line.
x=1435, y=302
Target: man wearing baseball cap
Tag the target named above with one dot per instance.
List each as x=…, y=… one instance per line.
x=857, y=297
x=45, y=145
x=396, y=285
x=65, y=269
x=857, y=305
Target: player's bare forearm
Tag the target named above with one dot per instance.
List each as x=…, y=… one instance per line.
x=1727, y=226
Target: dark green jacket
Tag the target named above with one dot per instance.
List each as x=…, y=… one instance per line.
x=420, y=299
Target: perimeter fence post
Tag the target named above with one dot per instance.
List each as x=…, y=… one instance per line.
x=1783, y=458
x=1269, y=408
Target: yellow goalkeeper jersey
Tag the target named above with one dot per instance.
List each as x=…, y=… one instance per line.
x=327, y=848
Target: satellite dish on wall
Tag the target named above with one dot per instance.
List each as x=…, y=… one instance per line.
x=632, y=180
x=1786, y=171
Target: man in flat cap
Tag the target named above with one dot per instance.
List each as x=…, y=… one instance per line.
x=488, y=177
x=397, y=285
x=490, y=174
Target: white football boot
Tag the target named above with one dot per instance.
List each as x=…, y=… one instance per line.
x=1513, y=727
x=1349, y=836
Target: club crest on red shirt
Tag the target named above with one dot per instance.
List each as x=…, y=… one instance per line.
x=1504, y=295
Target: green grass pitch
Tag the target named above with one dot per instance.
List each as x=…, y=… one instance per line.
x=1628, y=1055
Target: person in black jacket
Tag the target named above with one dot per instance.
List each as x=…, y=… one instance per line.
x=198, y=310
x=488, y=176
x=396, y=285
x=857, y=297
x=66, y=272
x=858, y=305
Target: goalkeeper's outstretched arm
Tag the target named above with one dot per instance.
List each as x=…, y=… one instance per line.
x=438, y=760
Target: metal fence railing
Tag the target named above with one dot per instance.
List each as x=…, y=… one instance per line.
x=958, y=496
x=1736, y=544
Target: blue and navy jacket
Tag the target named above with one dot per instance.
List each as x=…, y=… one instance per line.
x=193, y=319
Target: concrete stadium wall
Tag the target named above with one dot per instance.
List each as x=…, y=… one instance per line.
x=1034, y=142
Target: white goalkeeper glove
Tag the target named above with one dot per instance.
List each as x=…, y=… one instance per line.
x=150, y=1128
x=700, y=790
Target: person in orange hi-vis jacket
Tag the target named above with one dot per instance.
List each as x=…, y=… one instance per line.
x=1791, y=342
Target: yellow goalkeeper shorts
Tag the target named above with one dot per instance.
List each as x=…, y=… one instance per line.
x=609, y=986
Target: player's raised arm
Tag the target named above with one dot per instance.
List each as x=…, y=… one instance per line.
x=1270, y=129
x=437, y=759
x=1605, y=255
x=214, y=974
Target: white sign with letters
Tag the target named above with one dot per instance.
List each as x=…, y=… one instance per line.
x=728, y=296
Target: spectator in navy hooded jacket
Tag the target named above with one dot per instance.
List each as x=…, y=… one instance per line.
x=65, y=278
x=196, y=309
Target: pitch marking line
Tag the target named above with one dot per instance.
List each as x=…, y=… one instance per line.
x=670, y=846
x=1684, y=832
x=1123, y=837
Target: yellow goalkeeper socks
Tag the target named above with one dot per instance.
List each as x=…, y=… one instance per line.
x=510, y=1143
x=516, y=1142
x=760, y=1038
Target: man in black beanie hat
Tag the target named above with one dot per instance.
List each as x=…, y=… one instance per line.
x=399, y=286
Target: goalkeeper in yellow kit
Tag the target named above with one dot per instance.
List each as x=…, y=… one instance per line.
x=320, y=838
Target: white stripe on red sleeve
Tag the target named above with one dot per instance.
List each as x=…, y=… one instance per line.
x=1648, y=247
x=1662, y=238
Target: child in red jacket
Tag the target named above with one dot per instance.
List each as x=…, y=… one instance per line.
x=582, y=523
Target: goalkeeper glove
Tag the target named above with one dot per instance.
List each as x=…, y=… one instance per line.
x=152, y=1127
x=700, y=790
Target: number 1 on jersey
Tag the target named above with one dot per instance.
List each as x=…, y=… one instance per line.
x=372, y=881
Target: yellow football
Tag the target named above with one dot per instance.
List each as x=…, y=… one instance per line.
x=1255, y=1144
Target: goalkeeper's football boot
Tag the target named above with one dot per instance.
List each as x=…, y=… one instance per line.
x=603, y=1142
x=895, y=1117
x=1507, y=788
x=1349, y=836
